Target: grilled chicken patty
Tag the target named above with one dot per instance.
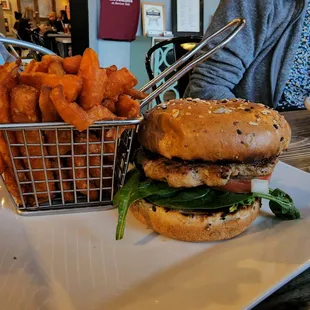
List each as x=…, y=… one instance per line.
x=189, y=174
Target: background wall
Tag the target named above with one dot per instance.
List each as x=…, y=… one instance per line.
x=60, y=5
x=119, y=53
x=10, y=14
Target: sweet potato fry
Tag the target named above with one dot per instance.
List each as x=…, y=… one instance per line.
x=99, y=113
x=95, y=149
x=30, y=66
x=45, y=63
x=4, y=149
x=136, y=94
x=4, y=105
x=95, y=161
x=50, y=58
x=9, y=74
x=80, y=170
x=111, y=69
x=127, y=107
x=3, y=166
x=33, y=137
x=94, y=79
x=72, y=84
x=56, y=68
x=64, y=136
x=12, y=186
x=24, y=104
x=72, y=64
x=5, y=153
x=49, y=114
x=48, y=110
x=24, y=110
x=66, y=185
x=118, y=82
x=109, y=104
x=70, y=112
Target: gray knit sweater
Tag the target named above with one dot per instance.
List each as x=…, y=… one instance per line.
x=256, y=64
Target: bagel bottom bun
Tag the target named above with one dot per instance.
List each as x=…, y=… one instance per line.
x=195, y=227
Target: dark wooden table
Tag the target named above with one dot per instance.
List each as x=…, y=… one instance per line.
x=296, y=294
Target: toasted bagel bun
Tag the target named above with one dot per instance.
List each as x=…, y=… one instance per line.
x=195, y=227
x=227, y=130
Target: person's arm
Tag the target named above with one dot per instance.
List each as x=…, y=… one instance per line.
x=5, y=56
x=218, y=75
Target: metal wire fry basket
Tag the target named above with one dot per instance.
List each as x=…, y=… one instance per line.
x=58, y=169
x=76, y=170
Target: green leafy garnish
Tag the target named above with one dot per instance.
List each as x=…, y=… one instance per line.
x=281, y=204
x=128, y=194
x=200, y=198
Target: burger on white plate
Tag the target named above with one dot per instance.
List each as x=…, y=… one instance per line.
x=203, y=168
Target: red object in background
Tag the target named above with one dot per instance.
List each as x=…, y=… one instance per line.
x=119, y=19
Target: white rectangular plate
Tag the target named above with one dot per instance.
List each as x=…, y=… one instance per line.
x=73, y=261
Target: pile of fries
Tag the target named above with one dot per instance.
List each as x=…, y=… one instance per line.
x=75, y=90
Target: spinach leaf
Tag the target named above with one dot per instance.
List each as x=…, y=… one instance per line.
x=124, y=198
x=161, y=189
x=281, y=204
x=201, y=198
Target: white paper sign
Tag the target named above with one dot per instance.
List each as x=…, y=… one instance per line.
x=188, y=15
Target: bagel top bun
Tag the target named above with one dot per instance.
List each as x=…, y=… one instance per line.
x=215, y=130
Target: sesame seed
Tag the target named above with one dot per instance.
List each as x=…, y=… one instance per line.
x=275, y=126
x=209, y=112
x=187, y=113
x=253, y=124
x=222, y=130
x=239, y=132
x=222, y=110
x=189, y=107
x=175, y=113
x=201, y=116
x=265, y=112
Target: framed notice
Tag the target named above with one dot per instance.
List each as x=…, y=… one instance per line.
x=8, y=25
x=45, y=7
x=187, y=17
x=153, y=18
x=5, y=5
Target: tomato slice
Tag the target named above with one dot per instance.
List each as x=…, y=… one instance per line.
x=241, y=185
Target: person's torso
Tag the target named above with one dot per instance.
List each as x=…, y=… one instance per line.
x=274, y=61
x=297, y=88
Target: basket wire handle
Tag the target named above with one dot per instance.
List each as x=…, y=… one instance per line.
x=25, y=44
x=238, y=22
